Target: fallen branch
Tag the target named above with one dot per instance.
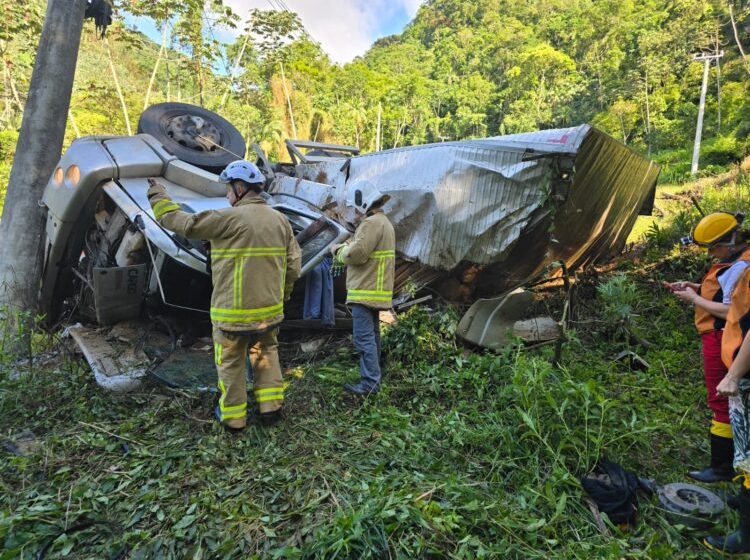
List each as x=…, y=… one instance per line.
x=603, y=529
x=95, y=427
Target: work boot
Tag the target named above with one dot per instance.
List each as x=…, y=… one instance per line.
x=361, y=389
x=231, y=429
x=733, y=501
x=722, y=455
x=737, y=542
x=268, y=419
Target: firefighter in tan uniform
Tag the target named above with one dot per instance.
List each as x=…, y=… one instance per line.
x=255, y=260
x=370, y=259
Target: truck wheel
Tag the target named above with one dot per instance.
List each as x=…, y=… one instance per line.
x=194, y=134
x=690, y=505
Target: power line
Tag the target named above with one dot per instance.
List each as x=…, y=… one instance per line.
x=281, y=6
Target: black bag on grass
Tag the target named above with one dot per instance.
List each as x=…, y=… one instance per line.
x=614, y=491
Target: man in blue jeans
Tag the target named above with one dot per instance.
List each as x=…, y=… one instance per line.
x=370, y=261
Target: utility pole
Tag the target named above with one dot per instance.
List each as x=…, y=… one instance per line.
x=288, y=101
x=707, y=59
x=377, y=134
x=37, y=152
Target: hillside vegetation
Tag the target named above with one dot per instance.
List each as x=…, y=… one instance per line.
x=461, y=69
x=463, y=454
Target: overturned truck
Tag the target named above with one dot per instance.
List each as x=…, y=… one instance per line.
x=473, y=218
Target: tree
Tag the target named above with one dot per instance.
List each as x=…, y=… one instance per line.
x=18, y=22
x=194, y=31
x=38, y=150
x=161, y=11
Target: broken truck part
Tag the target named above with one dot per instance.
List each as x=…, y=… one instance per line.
x=98, y=218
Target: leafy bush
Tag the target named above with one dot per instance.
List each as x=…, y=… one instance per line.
x=619, y=297
x=723, y=151
x=717, y=155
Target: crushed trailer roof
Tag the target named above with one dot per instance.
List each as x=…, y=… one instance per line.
x=524, y=200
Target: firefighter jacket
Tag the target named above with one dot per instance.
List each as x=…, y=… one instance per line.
x=370, y=260
x=711, y=290
x=738, y=320
x=255, y=258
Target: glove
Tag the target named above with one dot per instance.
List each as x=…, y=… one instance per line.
x=155, y=189
x=338, y=256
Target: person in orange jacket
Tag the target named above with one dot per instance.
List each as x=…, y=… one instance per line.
x=735, y=353
x=720, y=234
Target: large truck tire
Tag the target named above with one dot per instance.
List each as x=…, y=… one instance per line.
x=195, y=135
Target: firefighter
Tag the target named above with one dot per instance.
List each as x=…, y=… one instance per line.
x=735, y=353
x=255, y=260
x=370, y=260
x=720, y=234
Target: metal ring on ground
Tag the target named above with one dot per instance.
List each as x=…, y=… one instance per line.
x=690, y=505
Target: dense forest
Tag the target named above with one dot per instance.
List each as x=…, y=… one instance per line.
x=460, y=69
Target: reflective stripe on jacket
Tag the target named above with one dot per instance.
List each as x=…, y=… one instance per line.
x=370, y=260
x=254, y=258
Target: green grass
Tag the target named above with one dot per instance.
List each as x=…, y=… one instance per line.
x=664, y=205
x=461, y=455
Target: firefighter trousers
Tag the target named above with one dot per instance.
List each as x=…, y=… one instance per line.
x=230, y=352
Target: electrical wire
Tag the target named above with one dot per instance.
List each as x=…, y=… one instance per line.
x=280, y=5
x=142, y=227
x=206, y=139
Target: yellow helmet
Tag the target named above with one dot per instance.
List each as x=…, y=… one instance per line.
x=713, y=227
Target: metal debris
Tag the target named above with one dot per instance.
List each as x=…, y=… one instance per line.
x=489, y=321
x=536, y=329
x=633, y=360
x=310, y=346
x=117, y=367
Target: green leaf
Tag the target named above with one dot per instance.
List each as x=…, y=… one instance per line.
x=186, y=521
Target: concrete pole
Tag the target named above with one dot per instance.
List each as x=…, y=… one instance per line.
x=377, y=134
x=37, y=152
x=288, y=101
x=699, y=125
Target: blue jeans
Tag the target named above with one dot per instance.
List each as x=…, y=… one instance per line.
x=319, y=294
x=367, y=342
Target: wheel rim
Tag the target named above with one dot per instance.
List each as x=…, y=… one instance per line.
x=193, y=132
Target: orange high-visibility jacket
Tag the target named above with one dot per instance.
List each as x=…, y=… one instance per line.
x=711, y=290
x=738, y=319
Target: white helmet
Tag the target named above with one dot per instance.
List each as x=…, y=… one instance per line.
x=363, y=196
x=243, y=170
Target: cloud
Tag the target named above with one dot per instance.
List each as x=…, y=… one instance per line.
x=344, y=28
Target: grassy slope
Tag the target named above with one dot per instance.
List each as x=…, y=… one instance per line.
x=462, y=455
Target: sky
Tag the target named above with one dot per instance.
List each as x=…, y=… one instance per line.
x=344, y=28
